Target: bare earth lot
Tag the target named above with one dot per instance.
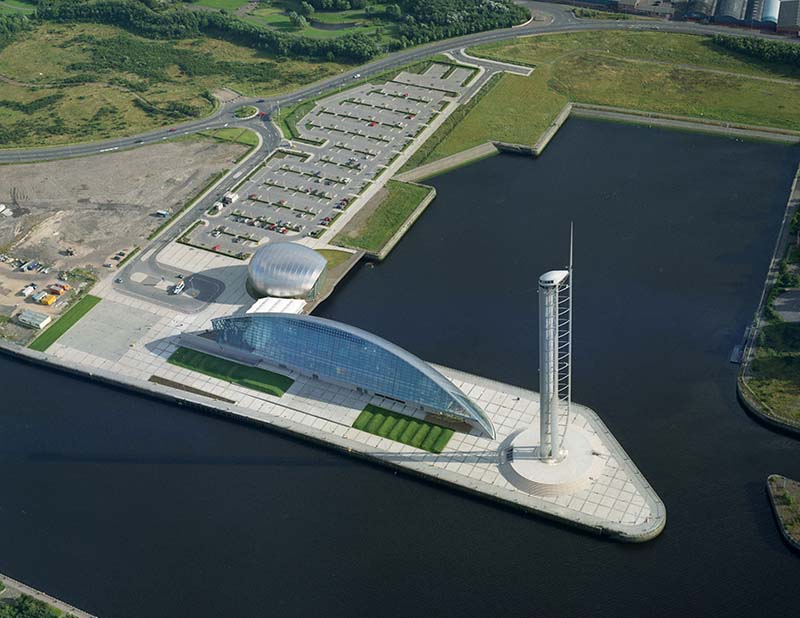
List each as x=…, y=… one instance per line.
x=96, y=206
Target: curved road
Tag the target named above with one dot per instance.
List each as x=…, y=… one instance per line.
x=140, y=278
x=548, y=18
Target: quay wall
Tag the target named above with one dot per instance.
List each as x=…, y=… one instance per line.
x=480, y=489
x=786, y=537
x=13, y=584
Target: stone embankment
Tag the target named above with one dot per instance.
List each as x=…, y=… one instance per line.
x=784, y=497
x=14, y=588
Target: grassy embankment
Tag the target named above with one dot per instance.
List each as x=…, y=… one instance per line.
x=334, y=258
x=373, y=230
x=78, y=82
x=232, y=134
x=678, y=74
x=775, y=377
x=405, y=429
x=235, y=373
x=64, y=323
x=786, y=496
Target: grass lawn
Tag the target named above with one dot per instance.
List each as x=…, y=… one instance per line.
x=243, y=375
x=14, y=6
x=334, y=258
x=245, y=111
x=401, y=428
x=649, y=71
x=277, y=17
x=95, y=92
x=64, y=323
x=374, y=230
x=776, y=369
x=230, y=5
x=233, y=134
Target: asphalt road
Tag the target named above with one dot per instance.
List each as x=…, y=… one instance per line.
x=549, y=18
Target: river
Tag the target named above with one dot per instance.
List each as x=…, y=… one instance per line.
x=131, y=508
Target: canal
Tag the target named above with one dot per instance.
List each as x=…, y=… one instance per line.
x=129, y=507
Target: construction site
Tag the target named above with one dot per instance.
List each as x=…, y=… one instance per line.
x=66, y=222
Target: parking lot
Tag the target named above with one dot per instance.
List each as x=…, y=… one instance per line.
x=348, y=141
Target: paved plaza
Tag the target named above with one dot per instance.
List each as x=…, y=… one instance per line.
x=618, y=500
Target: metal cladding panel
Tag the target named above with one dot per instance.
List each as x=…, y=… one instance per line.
x=731, y=10
x=285, y=269
x=769, y=13
x=700, y=9
x=345, y=354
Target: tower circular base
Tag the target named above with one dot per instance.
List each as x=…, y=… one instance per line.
x=581, y=464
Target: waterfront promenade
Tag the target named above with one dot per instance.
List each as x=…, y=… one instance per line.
x=127, y=341
x=13, y=588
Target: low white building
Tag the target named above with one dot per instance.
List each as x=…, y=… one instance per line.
x=33, y=319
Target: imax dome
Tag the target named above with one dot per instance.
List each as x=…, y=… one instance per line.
x=285, y=270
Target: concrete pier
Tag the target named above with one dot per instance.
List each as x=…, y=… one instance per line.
x=617, y=502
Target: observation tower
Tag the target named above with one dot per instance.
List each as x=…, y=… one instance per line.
x=554, y=455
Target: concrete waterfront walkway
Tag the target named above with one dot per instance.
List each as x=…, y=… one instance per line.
x=13, y=588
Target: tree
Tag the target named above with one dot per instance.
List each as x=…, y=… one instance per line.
x=306, y=9
x=393, y=12
x=298, y=21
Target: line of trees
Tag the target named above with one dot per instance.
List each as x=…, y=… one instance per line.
x=769, y=51
x=430, y=20
x=10, y=25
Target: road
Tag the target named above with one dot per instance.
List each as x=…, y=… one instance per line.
x=548, y=18
x=142, y=275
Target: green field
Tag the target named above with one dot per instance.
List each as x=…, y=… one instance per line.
x=229, y=5
x=64, y=323
x=15, y=6
x=775, y=375
x=245, y=111
x=233, y=134
x=404, y=429
x=235, y=373
x=346, y=22
x=334, y=258
x=77, y=82
x=676, y=74
x=375, y=229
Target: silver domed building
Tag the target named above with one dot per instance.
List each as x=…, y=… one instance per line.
x=286, y=270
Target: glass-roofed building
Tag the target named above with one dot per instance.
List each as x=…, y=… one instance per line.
x=342, y=354
x=286, y=270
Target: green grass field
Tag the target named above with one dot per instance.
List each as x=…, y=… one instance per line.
x=64, y=323
x=233, y=134
x=76, y=83
x=15, y=6
x=374, y=230
x=334, y=258
x=235, y=373
x=776, y=369
x=347, y=22
x=245, y=111
x=229, y=5
x=401, y=428
x=666, y=73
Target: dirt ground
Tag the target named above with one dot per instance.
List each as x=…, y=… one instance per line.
x=96, y=206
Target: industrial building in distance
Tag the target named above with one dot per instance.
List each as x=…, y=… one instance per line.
x=780, y=15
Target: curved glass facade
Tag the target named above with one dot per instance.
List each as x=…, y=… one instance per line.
x=340, y=353
x=286, y=270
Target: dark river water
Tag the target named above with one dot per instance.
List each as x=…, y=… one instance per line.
x=133, y=508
